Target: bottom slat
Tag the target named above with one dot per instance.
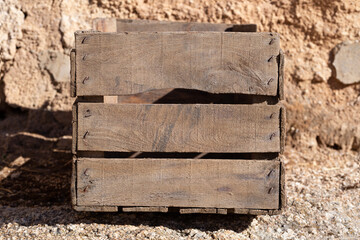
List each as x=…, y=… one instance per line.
x=184, y=183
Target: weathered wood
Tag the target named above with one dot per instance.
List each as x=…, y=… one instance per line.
x=128, y=25
x=129, y=63
x=72, y=74
x=105, y=24
x=74, y=128
x=145, y=209
x=178, y=128
x=178, y=183
x=283, y=200
x=281, y=75
x=282, y=129
x=96, y=208
x=198, y=210
x=73, y=183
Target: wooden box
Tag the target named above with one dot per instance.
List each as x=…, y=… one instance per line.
x=177, y=117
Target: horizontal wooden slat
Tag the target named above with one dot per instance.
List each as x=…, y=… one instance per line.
x=195, y=183
x=127, y=25
x=178, y=128
x=134, y=62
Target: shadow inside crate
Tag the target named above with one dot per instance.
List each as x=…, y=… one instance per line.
x=35, y=173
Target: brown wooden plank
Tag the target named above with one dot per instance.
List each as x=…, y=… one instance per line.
x=145, y=209
x=283, y=199
x=96, y=208
x=198, y=210
x=72, y=74
x=73, y=183
x=74, y=128
x=281, y=75
x=178, y=128
x=129, y=63
x=129, y=25
x=282, y=129
x=178, y=183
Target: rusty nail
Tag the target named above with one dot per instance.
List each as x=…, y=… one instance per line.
x=84, y=57
x=86, y=133
x=269, y=60
x=85, y=79
x=270, y=80
x=271, y=115
x=271, y=171
x=270, y=189
x=84, y=39
x=85, y=189
x=272, y=41
x=272, y=136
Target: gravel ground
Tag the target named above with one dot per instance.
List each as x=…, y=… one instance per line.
x=322, y=185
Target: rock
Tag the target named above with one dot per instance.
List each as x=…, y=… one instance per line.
x=11, y=19
x=57, y=63
x=347, y=62
x=74, y=16
x=25, y=85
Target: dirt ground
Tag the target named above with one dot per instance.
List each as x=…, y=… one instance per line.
x=322, y=153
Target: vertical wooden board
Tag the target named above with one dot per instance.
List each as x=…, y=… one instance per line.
x=178, y=128
x=73, y=183
x=179, y=183
x=282, y=129
x=129, y=63
x=72, y=74
x=74, y=128
x=283, y=199
x=281, y=75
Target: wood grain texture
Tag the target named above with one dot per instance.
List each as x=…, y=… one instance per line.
x=283, y=199
x=145, y=209
x=178, y=127
x=178, y=183
x=134, y=62
x=72, y=74
x=74, y=128
x=282, y=129
x=198, y=210
x=73, y=183
x=281, y=75
x=127, y=25
x=96, y=208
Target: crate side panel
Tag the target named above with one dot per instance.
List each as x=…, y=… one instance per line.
x=134, y=62
x=178, y=128
x=179, y=183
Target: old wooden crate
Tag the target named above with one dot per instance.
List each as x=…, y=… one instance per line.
x=177, y=117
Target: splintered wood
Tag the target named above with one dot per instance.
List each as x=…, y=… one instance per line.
x=177, y=117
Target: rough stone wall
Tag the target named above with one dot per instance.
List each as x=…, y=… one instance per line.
x=36, y=37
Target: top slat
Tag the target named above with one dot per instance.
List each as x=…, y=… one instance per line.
x=126, y=25
x=216, y=62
